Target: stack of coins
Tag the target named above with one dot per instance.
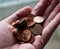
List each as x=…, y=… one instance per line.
x=27, y=28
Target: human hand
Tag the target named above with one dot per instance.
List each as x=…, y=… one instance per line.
x=6, y=36
x=51, y=24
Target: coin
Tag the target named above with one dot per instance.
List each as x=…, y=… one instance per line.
x=38, y=19
x=26, y=35
x=29, y=21
x=36, y=29
x=20, y=24
x=32, y=39
x=15, y=23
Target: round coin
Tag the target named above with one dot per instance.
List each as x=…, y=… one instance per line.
x=29, y=21
x=38, y=19
x=32, y=39
x=26, y=35
x=36, y=29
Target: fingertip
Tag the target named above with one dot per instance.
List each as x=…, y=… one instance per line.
x=29, y=8
x=23, y=11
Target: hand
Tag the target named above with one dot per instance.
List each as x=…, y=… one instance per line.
x=49, y=11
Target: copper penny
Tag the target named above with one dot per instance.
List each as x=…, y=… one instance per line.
x=30, y=23
x=29, y=20
x=36, y=29
x=26, y=35
x=15, y=23
x=32, y=39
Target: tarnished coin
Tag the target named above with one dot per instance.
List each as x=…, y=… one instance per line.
x=26, y=35
x=36, y=29
x=38, y=19
x=32, y=39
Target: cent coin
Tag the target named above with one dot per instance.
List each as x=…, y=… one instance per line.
x=26, y=35
x=38, y=19
x=29, y=21
x=36, y=29
x=32, y=39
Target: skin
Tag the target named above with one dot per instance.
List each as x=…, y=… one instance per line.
x=51, y=13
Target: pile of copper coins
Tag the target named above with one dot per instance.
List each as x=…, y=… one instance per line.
x=27, y=28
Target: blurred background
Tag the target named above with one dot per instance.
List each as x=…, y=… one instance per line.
x=8, y=7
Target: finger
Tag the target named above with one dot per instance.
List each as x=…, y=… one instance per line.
x=50, y=8
x=16, y=46
x=52, y=15
x=26, y=46
x=40, y=7
x=17, y=15
x=38, y=43
x=50, y=28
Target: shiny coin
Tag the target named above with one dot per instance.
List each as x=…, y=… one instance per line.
x=29, y=21
x=38, y=19
x=36, y=29
x=15, y=23
x=26, y=35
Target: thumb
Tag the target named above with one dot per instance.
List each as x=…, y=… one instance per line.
x=26, y=46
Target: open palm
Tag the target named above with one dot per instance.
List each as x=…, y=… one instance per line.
x=49, y=9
